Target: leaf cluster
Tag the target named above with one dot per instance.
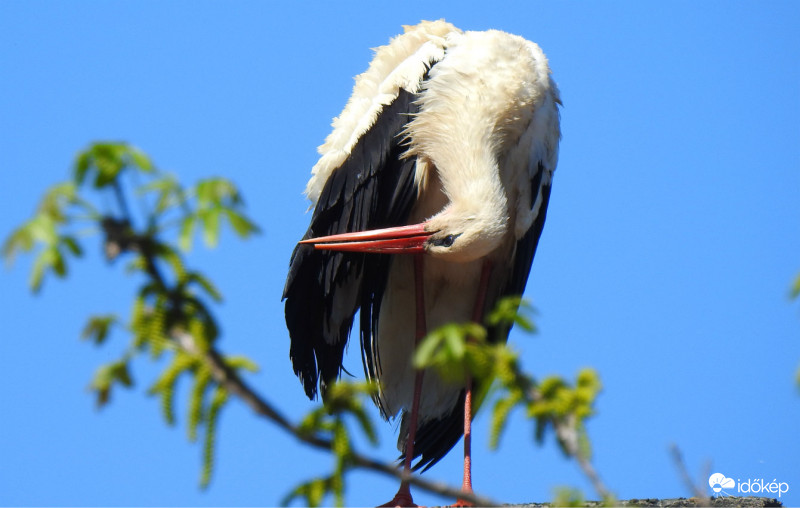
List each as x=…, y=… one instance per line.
x=344, y=402
x=170, y=314
x=48, y=235
x=457, y=351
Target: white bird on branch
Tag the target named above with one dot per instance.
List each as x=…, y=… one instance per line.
x=445, y=151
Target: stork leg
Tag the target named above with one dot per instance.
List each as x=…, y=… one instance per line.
x=477, y=316
x=403, y=496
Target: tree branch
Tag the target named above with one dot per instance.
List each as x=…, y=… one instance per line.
x=236, y=385
x=227, y=377
x=567, y=433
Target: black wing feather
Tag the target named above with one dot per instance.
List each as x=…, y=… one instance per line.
x=373, y=188
x=526, y=246
x=376, y=271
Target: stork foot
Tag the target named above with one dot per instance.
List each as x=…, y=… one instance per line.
x=402, y=498
x=461, y=503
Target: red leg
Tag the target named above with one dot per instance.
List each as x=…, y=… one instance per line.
x=477, y=316
x=403, y=496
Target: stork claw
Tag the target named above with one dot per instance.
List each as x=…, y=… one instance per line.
x=460, y=503
x=401, y=499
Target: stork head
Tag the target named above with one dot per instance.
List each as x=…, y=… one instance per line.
x=463, y=235
x=451, y=235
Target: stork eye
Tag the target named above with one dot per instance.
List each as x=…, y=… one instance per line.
x=447, y=241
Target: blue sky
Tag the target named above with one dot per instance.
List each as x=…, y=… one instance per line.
x=670, y=245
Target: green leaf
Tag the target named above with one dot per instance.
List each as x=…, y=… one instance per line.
x=217, y=192
x=565, y=496
x=58, y=264
x=41, y=264
x=108, y=162
x=165, y=385
x=311, y=492
x=341, y=440
x=446, y=348
x=82, y=163
x=108, y=375
x=166, y=187
x=141, y=160
x=454, y=341
x=210, y=220
x=341, y=447
x=137, y=321
x=795, y=291
x=98, y=328
x=565, y=408
x=347, y=398
x=154, y=324
x=187, y=232
x=206, y=284
x=205, y=193
x=202, y=381
x=73, y=245
x=21, y=240
x=502, y=409
x=173, y=258
x=427, y=349
x=241, y=224
x=56, y=199
x=218, y=400
x=121, y=374
x=507, y=312
x=43, y=229
x=241, y=362
x=215, y=197
x=312, y=422
x=589, y=378
x=137, y=264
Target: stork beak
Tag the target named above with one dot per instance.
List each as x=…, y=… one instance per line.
x=397, y=240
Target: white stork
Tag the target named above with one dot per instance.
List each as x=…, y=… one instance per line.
x=446, y=150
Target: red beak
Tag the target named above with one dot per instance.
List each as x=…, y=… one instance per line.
x=398, y=240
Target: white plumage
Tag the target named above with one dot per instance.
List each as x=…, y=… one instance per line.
x=456, y=135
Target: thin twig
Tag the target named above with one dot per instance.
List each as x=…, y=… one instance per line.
x=591, y=473
x=677, y=458
x=123, y=203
